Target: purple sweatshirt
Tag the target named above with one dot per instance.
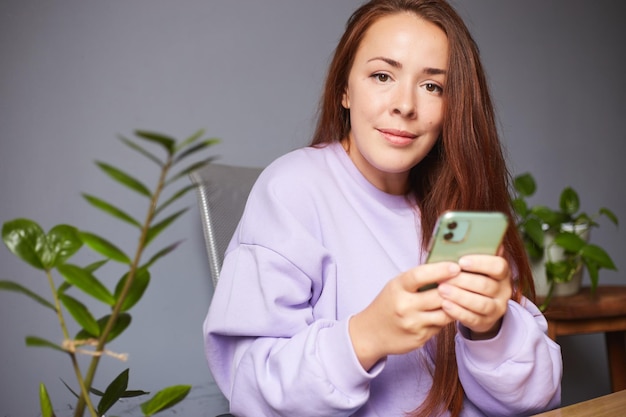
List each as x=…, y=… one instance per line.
x=315, y=245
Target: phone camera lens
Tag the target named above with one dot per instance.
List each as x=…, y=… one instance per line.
x=448, y=236
x=452, y=225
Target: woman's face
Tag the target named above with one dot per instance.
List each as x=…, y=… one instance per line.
x=395, y=98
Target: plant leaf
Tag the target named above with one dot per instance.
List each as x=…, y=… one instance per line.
x=44, y=402
x=26, y=240
x=598, y=255
x=81, y=314
x=63, y=241
x=122, y=322
x=525, y=184
x=161, y=254
x=193, y=167
x=86, y=282
x=138, y=287
x=124, y=179
x=131, y=393
x=534, y=231
x=35, y=341
x=548, y=216
x=165, y=399
x=142, y=151
x=569, y=201
x=196, y=148
x=174, y=197
x=111, y=209
x=134, y=393
x=594, y=275
x=69, y=388
x=15, y=287
x=63, y=287
x=533, y=251
x=569, y=241
x=608, y=213
x=159, y=227
x=584, y=218
x=165, y=141
x=191, y=139
x=93, y=267
x=113, y=392
x=104, y=247
x=560, y=271
x=520, y=207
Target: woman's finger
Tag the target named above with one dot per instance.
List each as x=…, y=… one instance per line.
x=427, y=274
x=493, y=266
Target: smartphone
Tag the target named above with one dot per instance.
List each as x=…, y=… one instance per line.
x=460, y=233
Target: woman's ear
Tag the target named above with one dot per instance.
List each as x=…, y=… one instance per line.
x=345, y=99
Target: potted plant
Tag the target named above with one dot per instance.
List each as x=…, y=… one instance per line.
x=76, y=288
x=557, y=240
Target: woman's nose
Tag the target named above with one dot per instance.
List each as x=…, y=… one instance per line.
x=405, y=102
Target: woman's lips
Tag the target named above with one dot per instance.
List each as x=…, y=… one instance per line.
x=398, y=137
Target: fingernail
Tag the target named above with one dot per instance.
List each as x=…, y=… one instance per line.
x=444, y=289
x=464, y=262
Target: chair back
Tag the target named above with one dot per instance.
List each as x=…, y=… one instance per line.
x=222, y=192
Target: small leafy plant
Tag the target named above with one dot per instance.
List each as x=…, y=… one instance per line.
x=70, y=284
x=535, y=221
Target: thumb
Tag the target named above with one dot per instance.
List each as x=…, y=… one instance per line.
x=429, y=274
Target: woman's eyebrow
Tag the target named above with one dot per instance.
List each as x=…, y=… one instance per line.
x=434, y=71
x=389, y=61
x=398, y=65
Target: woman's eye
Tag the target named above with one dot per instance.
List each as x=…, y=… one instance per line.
x=433, y=88
x=383, y=78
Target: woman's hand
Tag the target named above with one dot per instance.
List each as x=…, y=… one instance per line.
x=479, y=295
x=400, y=318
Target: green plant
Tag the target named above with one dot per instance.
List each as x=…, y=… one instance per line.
x=69, y=282
x=535, y=221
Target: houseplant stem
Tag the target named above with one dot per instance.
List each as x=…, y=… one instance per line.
x=79, y=378
x=84, y=400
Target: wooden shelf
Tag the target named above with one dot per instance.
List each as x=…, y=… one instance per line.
x=602, y=312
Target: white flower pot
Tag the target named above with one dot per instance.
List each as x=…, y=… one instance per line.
x=542, y=287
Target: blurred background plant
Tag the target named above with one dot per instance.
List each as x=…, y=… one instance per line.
x=71, y=284
x=565, y=229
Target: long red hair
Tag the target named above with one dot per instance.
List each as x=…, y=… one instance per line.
x=465, y=170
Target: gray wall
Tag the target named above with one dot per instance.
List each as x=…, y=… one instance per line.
x=75, y=73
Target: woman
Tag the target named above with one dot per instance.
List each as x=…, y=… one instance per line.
x=317, y=311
